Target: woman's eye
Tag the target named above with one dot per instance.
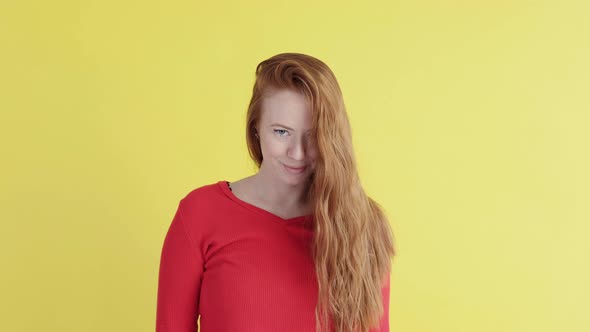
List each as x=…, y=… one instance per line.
x=279, y=131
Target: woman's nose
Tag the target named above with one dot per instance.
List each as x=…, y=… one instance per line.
x=297, y=150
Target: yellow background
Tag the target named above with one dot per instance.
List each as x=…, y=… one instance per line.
x=470, y=122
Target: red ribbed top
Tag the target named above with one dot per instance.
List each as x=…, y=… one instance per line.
x=238, y=267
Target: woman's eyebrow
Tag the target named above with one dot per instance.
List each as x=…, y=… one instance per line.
x=281, y=125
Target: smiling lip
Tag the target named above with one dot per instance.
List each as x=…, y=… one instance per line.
x=295, y=170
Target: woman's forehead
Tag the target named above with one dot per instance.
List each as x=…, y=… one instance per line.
x=286, y=97
x=287, y=110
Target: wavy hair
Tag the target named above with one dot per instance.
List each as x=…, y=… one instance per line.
x=353, y=244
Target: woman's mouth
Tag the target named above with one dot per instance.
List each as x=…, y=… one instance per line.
x=295, y=170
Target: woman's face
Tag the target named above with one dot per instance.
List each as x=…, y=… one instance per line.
x=286, y=140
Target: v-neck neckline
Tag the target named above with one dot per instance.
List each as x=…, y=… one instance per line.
x=223, y=184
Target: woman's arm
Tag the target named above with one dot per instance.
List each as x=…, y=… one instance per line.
x=180, y=274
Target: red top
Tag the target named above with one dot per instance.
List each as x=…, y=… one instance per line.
x=238, y=267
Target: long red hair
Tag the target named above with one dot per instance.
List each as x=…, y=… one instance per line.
x=353, y=244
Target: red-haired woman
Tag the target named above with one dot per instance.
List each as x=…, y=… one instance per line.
x=298, y=246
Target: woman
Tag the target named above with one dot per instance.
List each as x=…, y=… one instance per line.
x=298, y=246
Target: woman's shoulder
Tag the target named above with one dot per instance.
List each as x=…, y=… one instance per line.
x=202, y=196
x=203, y=190
x=203, y=207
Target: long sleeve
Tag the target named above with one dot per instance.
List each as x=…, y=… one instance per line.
x=180, y=274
